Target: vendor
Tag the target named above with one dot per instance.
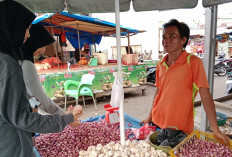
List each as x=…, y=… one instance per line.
x=76, y=55
x=179, y=76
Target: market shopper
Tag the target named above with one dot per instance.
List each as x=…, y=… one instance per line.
x=179, y=76
x=39, y=39
x=17, y=121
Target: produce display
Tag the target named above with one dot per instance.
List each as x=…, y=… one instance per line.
x=130, y=149
x=69, y=142
x=201, y=148
x=42, y=66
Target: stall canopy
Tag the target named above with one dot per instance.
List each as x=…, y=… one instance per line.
x=95, y=6
x=90, y=29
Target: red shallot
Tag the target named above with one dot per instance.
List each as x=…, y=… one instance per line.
x=72, y=140
x=201, y=148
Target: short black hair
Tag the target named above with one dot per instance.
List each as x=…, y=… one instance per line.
x=182, y=27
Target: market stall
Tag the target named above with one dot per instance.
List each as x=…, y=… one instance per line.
x=141, y=6
x=79, y=31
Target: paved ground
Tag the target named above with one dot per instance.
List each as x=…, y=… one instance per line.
x=139, y=106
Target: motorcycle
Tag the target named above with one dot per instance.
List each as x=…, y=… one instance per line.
x=220, y=66
x=229, y=83
x=228, y=63
x=151, y=74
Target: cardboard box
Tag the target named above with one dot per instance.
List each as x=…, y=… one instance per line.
x=130, y=59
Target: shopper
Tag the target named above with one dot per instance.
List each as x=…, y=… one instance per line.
x=17, y=121
x=179, y=76
x=39, y=39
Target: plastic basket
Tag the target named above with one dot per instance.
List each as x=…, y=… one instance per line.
x=152, y=140
x=221, y=118
x=196, y=135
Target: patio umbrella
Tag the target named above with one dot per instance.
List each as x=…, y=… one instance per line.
x=100, y=6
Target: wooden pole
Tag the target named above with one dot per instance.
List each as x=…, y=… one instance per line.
x=128, y=43
x=79, y=44
x=55, y=46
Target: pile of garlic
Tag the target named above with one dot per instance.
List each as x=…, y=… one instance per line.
x=130, y=149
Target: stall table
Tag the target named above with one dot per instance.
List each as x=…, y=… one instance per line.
x=53, y=79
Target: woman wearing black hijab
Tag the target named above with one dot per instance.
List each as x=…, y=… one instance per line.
x=39, y=38
x=17, y=121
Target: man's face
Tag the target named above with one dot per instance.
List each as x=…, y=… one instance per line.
x=171, y=40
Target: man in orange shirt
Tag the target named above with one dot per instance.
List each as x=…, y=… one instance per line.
x=179, y=76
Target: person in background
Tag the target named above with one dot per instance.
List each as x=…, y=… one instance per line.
x=39, y=39
x=17, y=120
x=179, y=76
x=76, y=55
x=127, y=50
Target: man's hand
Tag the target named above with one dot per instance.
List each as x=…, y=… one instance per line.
x=145, y=121
x=77, y=113
x=221, y=136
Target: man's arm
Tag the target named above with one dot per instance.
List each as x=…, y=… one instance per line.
x=150, y=115
x=209, y=107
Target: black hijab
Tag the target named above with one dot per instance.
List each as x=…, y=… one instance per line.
x=39, y=37
x=14, y=20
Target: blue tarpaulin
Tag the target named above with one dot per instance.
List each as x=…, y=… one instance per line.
x=85, y=38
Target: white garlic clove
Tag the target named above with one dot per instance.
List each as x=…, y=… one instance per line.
x=101, y=155
x=110, y=153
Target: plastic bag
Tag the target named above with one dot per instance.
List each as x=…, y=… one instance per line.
x=117, y=91
x=47, y=60
x=170, y=137
x=54, y=60
x=143, y=132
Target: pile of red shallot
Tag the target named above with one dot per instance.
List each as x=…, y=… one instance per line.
x=72, y=140
x=201, y=148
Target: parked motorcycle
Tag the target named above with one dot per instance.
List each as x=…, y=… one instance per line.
x=220, y=66
x=228, y=63
x=229, y=83
x=151, y=74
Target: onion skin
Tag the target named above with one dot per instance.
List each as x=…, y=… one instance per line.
x=71, y=140
x=201, y=148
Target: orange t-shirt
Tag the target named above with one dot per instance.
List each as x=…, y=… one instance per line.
x=178, y=86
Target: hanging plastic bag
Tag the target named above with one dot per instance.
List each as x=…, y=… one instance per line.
x=117, y=91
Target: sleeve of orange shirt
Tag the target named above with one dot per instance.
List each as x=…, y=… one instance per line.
x=198, y=72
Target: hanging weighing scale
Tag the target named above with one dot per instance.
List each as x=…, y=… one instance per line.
x=112, y=115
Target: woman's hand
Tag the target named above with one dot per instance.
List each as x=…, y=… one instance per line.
x=77, y=113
